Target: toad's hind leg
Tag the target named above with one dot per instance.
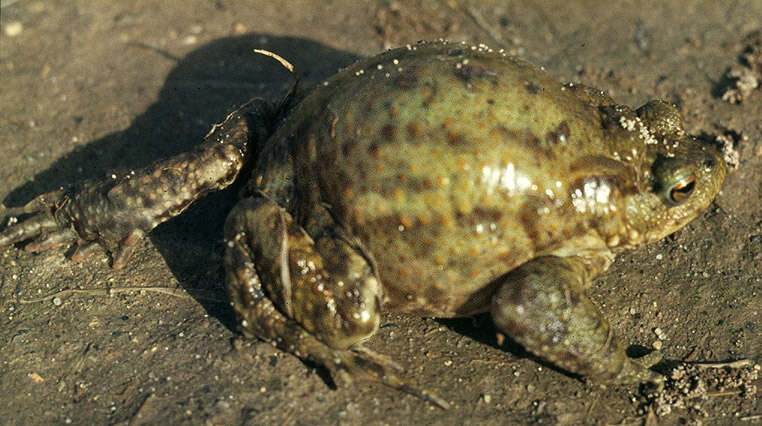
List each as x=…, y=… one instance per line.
x=118, y=212
x=316, y=298
x=542, y=305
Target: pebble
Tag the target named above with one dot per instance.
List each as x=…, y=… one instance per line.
x=12, y=29
x=660, y=333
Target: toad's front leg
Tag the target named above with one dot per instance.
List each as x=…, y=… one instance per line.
x=542, y=305
x=314, y=296
x=116, y=213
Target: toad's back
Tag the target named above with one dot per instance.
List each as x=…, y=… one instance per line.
x=452, y=168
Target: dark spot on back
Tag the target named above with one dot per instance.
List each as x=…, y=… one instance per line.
x=482, y=214
x=348, y=146
x=563, y=129
x=433, y=91
x=528, y=221
x=560, y=135
x=407, y=79
x=414, y=130
x=469, y=73
x=509, y=134
x=373, y=150
x=415, y=184
x=388, y=132
x=455, y=138
x=532, y=140
x=540, y=229
x=369, y=108
x=532, y=88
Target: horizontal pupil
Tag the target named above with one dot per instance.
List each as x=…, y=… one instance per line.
x=683, y=188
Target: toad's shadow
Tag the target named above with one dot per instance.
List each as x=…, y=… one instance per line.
x=201, y=90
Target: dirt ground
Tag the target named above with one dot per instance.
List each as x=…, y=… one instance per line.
x=89, y=87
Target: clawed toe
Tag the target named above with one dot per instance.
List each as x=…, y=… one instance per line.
x=44, y=201
x=83, y=250
x=363, y=364
x=35, y=227
x=51, y=240
x=40, y=227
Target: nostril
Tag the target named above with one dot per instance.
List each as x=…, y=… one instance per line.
x=709, y=164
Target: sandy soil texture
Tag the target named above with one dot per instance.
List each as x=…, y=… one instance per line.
x=89, y=87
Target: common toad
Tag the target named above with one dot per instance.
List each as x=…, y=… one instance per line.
x=438, y=179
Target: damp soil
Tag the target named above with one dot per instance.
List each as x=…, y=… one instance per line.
x=93, y=87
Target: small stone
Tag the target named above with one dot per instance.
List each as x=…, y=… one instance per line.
x=12, y=29
x=660, y=333
x=36, y=377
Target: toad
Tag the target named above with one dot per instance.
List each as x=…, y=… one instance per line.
x=438, y=179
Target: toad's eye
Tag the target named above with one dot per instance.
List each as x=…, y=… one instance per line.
x=681, y=190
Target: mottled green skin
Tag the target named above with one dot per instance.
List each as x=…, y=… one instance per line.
x=470, y=182
x=440, y=179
